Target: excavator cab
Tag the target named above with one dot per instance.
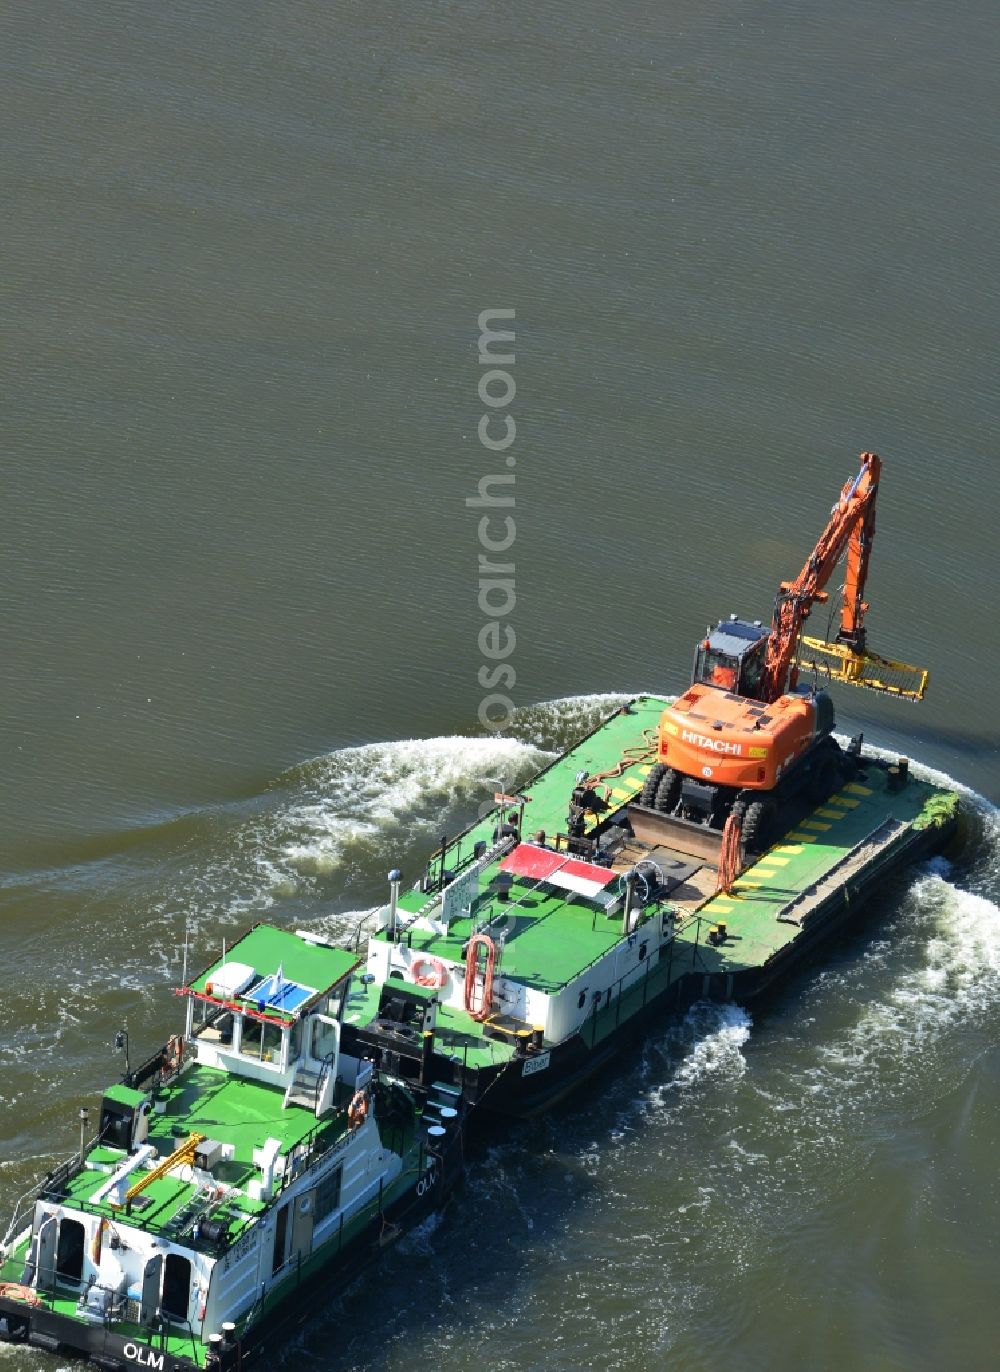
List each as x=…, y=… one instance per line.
x=731, y=657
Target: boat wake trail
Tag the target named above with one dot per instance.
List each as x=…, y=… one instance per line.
x=361, y=794
x=745, y=1132
x=556, y=724
x=328, y=828
x=344, y=812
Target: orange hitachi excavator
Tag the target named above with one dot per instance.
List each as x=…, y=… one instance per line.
x=746, y=736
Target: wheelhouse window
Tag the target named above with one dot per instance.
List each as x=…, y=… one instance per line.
x=260, y=1040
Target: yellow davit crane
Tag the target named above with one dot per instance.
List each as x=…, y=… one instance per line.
x=184, y=1154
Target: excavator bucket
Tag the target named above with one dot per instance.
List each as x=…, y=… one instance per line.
x=838, y=662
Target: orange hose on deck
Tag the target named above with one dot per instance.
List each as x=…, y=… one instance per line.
x=477, y=942
x=630, y=756
x=730, y=857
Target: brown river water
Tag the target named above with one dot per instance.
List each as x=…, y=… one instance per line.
x=246, y=248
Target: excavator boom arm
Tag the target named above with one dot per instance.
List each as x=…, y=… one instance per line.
x=859, y=550
x=852, y=526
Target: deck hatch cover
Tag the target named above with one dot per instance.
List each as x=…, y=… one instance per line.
x=541, y=864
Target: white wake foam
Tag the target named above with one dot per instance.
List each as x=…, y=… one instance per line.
x=558, y=723
x=357, y=792
x=710, y=1039
x=956, y=976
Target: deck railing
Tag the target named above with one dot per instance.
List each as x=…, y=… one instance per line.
x=603, y=1020
x=53, y=1183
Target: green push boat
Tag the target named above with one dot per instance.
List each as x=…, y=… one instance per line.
x=245, y=1171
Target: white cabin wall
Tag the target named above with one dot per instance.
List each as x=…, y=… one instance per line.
x=226, y=1060
x=234, y=1285
x=124, y=1266
x=620, y=968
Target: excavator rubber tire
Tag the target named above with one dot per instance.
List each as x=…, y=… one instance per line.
x=651, y=784
x=825, y=780
x=760, y=825
x=827, y=775
x=668, y=793
x=739, y=807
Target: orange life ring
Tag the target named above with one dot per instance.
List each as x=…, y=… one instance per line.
x=434, y=978
x=174, y=1053
x=14, y=1291
x=98, y=1241
x=357, y=1111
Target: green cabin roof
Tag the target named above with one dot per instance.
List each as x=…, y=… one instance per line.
x=268, y=950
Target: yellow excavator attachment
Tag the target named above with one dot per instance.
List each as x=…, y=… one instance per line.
x=838, y=662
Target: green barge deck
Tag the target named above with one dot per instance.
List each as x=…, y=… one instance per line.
x=784, y=900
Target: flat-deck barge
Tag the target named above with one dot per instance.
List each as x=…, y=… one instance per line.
x=522, y=960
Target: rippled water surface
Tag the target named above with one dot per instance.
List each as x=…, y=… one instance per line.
x=245, y=251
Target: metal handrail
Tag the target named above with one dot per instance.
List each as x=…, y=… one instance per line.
x=38, y=1188
x=145, y=1070
x=598, y=1010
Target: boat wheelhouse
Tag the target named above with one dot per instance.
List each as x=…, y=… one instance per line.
x=234, y=1174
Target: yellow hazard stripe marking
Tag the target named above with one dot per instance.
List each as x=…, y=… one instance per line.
x=765, y=872
x=622, y=794
x=804, y=838
x=816, y=824
x=645, y=769
x=831, y=814
x=773, y=860
x=786, y=848
x=856, y=789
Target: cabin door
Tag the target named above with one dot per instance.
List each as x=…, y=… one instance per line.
x=302, y=1226
x=69, y=1251
x=280, y=1239
x=325, y=1038
x=46, y=1256
x=150, y=1289
x=175, y=1301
